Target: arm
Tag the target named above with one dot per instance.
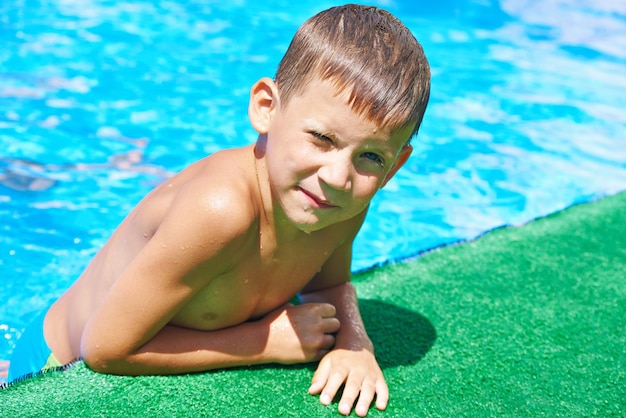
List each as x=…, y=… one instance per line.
x=352, y=360
x=175, y=350
x=199, y=239
x=157, y=283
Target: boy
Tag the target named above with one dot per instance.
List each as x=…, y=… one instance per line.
x=199, y=275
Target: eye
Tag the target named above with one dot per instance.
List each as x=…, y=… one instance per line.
x=322, y=137
x=375, y=158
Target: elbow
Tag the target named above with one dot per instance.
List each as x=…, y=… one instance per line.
x=104, y=360
x=98, y=362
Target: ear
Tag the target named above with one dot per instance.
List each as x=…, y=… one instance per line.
x=263, y=101
x=405, y=153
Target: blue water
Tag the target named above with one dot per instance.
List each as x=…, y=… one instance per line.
x=102, y=100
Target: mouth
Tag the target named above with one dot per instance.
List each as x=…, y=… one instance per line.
x=316, y=201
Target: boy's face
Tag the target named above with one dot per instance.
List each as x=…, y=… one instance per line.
x=326, y=162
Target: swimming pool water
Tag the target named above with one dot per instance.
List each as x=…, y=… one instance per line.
x=101, y=100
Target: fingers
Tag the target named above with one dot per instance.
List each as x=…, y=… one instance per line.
x=350, y=393
x=365, y=392
x=331, y=325
x=382, y=395
x=327, y=310
x=333, y=383
x=320, y=377
x=358, y=390
x=368, y=391
x=328, y=341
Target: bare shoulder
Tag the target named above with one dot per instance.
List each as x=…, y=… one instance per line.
x=206, y=213
x=218, y=195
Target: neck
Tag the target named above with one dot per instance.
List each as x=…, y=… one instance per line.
x=263, y=186
x=272, y=218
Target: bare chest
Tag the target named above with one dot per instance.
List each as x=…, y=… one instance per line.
x=261, y=282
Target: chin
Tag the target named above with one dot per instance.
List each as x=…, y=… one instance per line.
x=308, y=226
x=308, y=222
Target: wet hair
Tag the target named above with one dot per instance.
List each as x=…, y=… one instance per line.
x=366, y=51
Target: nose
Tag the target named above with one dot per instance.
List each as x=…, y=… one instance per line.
x=336, y=171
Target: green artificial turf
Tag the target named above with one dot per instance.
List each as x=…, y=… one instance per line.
x=525, y=321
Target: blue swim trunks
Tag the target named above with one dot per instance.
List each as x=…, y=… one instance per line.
x=31, y=353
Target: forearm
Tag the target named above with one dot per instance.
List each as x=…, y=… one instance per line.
x=352, y=334
x=175, y=350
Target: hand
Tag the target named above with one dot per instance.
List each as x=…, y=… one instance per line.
x=301, y=333
x=362, y=377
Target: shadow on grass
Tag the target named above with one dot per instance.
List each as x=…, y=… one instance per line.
x=401, y=337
